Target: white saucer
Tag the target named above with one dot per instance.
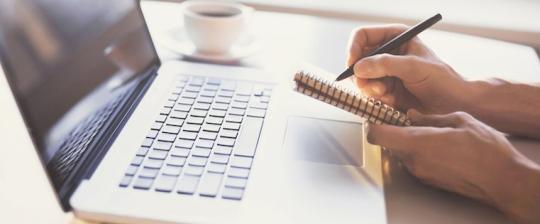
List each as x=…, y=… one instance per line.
x=178, y=42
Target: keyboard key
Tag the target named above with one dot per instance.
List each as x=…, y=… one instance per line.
x=152, y=134
x=241, y=98
x=158, y=154
x=125, y=181
x=175, y=121
x=142, y=151
x=192, y=127
x=214, y=120
x=228, y=133
x=186, y=101
x=169, y=104
x=156, y=126
x=224, y=150
x=236, y=111
x=209, y=185
x=227, y=94
x=182, y=143
x=243, y=89
x=173, y=97
x=217, y=113
x=231, y=126
x=137, y=160
x=241, y=162
x=238, y=172
x=166, y=137
x=208, y=93
x=187, y=184
x=201, y=152
x=171, y=170
x=258, y=105
x=143, y=183
x=178, y=114
x=197, y=161
x=254, y=112
x=193, y=88
x=219, y=158
x=180, y=152
x=220, y=106
x=225, y=141
x=153, y=163
x=208, y=135
x=265, y=99
x=235, y=182
x=165, y=183
x=189, y=95
x=195, y=120
x=232, y=193
x=211, y=87
x=176, y=161
x=165, y=111
x=161, y=118
x=233, y=118
x=198, y=113
x=213, y=81
x=248, y=137
x=202, y=106
x=201, y=143
x=171, y=129
x=165, y=146
x=187, y=135
x=193, y=170
x=182, y=107
x=239, y=105
x=196, y=81
x=216, y=168
x=147, y=142
x=148, y=172
x=211, y=127
x=220, y=99
x=131, y=170
x=205, y=99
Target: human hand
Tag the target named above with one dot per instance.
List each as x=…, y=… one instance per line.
x=461, y=154
x=411, y=77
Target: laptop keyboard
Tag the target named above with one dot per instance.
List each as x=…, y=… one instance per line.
x=203, y=141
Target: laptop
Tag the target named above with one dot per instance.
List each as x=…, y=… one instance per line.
x=124, y=137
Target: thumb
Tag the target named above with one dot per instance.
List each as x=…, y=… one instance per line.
x=454, y=120
x=408, y=68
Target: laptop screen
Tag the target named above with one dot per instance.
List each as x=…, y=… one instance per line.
x=64, y=59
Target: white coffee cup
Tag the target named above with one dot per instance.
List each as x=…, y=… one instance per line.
x=214, y=26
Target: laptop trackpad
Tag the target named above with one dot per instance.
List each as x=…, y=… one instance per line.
x=324, y=178
x=325, y=141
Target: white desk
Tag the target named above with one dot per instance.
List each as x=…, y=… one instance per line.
x=26, y=197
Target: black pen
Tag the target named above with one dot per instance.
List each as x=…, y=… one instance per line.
x=396, y=42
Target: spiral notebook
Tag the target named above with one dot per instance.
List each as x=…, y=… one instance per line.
x=336, y=94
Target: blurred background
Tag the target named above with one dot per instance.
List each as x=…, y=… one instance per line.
x=510, y=20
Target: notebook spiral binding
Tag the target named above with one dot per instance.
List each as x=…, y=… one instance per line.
x=374, y=111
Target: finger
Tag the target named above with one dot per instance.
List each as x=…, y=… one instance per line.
x=374, y=88
x=437, y=120
x=408, y=68
x=365, y=38
x=404, y=140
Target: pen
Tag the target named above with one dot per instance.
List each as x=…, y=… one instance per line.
x=396, y=42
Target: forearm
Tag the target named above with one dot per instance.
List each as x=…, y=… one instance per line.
x=509, y=107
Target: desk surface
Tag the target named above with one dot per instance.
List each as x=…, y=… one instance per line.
x=285, y=40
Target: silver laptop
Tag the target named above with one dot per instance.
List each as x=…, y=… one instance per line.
x=126, y=138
